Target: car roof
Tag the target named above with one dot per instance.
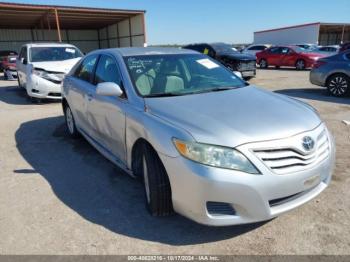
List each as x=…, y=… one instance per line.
x=48, y=44
x=137, y=51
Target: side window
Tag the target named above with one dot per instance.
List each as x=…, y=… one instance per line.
x=274, y=50
x=284, y=50
x=23, y=53
x=107, y=71
x=86, y=69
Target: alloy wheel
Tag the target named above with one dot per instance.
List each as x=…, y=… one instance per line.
x=338, y=86
x=300, y=65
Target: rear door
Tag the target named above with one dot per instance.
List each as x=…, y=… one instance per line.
x=81, y=89
x=106, y=114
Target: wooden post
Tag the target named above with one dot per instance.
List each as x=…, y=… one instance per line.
x=58, y=27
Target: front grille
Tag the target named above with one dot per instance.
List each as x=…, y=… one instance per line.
x=247, y=66
x=220, y=209
x=55, y=94
x=292, y=159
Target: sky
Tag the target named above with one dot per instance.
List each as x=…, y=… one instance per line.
x=231, y=21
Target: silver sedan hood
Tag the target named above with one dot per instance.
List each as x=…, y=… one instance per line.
x=235, y=117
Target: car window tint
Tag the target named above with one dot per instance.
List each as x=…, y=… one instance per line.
x=284, y=50
x=23, y=53
x=86, y=68
x=257, y=48
x=275, y=50
x=107, y=71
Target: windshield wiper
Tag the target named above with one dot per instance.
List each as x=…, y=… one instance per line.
x=217, y=89
x=164, y=95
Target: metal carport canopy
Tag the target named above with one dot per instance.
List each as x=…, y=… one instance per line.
x=28, y=16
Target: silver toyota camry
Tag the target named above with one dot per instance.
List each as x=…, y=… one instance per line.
x=205, y=143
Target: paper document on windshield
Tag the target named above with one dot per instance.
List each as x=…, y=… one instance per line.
x=207, y=63
x=70, y=50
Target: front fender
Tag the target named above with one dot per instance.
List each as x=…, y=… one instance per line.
x=158, y=132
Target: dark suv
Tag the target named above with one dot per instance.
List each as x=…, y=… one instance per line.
x=344, y=47
x=235, y=61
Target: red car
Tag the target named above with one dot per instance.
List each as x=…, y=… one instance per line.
x=291, y=56
x=8, y=64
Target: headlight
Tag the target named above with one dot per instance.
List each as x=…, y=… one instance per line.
x=48, y=76
x=216, y=156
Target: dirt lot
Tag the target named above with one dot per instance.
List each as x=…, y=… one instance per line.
x=59, y=196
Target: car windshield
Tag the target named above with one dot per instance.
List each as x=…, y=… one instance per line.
x=47, y=54
x=300, y=49
x=223, y=48
x=183, y=74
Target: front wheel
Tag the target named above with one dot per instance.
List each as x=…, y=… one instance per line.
x=263, y=63
x=300, y=64
x=70, y=122
x=156, y=182
x=338, y=85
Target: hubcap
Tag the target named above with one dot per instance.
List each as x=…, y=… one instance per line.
x=70, y=122
x=263, y=63
x=338, y=85
x=300, y=64
x=145, y=178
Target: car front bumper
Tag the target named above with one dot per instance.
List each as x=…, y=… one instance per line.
x=317, y=77
x=252, y=197
x=41, y=88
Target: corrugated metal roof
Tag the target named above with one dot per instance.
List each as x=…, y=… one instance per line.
x=24, y=16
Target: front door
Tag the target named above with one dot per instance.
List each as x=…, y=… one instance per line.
x=106, y=114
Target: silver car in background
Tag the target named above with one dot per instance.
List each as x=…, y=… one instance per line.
x=205, y=143
x=333, y=72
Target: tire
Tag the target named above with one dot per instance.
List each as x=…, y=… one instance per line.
x=35, y=100
x=338, y=85
x=263, y=63
x=300, y=64
x=70, y=122
x=156, y=182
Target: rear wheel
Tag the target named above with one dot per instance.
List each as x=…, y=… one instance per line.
x=263, y=63
x=300, y=64
x=156, y=182
x=70, y=122
x=338, y=85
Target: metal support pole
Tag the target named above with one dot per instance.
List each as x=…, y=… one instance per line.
x=144, y=30
x=130, y=32
x=48, y=22
x=58, y=27
x=342, y=35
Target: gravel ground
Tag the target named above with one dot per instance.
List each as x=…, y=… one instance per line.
x=60, y=196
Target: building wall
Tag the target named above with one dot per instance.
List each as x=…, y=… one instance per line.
x=304, y=34
x=123, y=34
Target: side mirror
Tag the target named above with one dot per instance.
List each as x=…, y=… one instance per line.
x=109, y=89
x=24, y=61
